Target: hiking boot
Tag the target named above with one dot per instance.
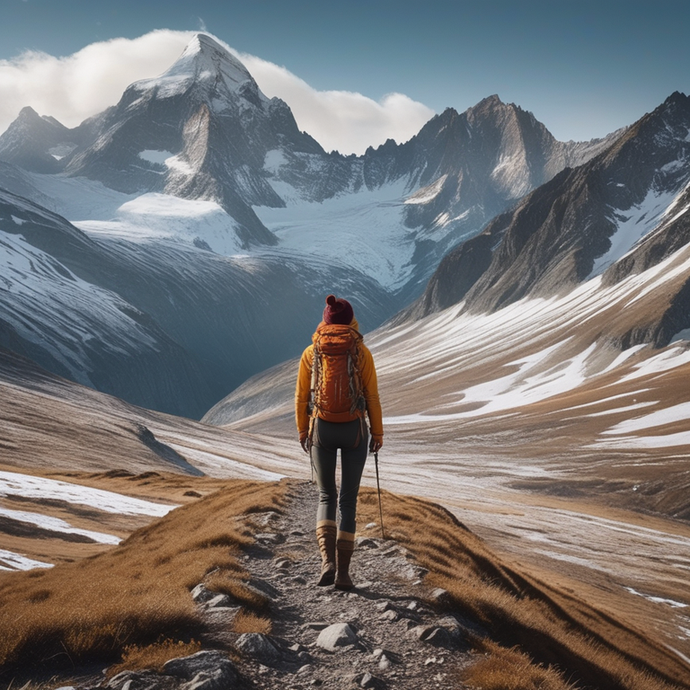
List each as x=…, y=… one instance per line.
x=326, y=532
x=345, y=545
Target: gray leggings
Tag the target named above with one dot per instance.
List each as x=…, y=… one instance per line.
x=352, y=439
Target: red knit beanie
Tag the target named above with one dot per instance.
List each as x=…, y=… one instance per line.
x=338, y=311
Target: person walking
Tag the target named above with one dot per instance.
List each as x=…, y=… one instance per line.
x=336, y=390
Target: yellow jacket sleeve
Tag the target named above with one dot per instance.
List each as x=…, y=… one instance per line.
x=303, y=392
x=371, y=392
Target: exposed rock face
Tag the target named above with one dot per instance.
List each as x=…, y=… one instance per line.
x=580, y=222
x=36, y=143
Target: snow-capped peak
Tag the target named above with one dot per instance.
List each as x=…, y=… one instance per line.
x=204, y=64
x=204, y=57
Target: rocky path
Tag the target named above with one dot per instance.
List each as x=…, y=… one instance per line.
x=381, y=634
x=386, y=633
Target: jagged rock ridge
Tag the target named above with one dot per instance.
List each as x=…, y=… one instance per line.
x=622, y=212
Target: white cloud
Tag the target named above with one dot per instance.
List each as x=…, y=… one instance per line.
x=75, y=87
x=342, y=120
x=78, y=86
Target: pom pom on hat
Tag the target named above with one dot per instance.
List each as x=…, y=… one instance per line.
x=338, y=311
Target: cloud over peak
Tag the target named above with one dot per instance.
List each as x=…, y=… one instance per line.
x=87, y=82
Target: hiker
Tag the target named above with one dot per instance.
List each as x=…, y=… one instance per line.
x=336, y=389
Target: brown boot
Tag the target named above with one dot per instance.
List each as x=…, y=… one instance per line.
x=326, y=532
x=345, y=545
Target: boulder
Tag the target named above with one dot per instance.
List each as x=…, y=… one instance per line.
x=258, y=646
x=335, y=636
x=207, y=670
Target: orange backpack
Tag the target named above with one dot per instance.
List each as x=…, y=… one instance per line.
x=336, y=384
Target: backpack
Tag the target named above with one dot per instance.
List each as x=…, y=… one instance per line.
x=336, y=385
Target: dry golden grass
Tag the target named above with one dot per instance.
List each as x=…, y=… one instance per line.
x=153, y=656
x=510, y=669
x=552, y=627
x=249, y=622
x=136, y=594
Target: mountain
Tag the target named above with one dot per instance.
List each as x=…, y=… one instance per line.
x=620, y=213
x=172, y=327
x=37, y=143
x=203, y=130
x=211, y=216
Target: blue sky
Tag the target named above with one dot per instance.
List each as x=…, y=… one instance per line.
x=583, y=68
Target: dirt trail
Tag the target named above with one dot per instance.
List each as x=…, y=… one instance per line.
x=400, y=640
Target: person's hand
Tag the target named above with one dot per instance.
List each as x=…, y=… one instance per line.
x=305, y=442
x=375, y=444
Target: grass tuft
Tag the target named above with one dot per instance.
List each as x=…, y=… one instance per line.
x=153, y=656
x=249, y=622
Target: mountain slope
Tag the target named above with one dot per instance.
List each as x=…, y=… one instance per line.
x=581, y=222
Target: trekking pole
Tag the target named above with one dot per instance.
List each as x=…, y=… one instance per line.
x=378, y=486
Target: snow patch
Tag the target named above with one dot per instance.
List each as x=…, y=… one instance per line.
x=14, y=561
x=658, y=600
x=156, y=216
x=632, y=225
x=153, y=156
x=28, y=486
x=54, y=524
x=428, y=193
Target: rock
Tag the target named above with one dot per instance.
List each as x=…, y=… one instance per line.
x=440, y=597
x=264, y=519
x=140, y=680
x=439, y=637
x=384, y=663
x=283, y=563
x=262, y=588
x=462, y=628
x=220, y=601
x=413, y=605
x=201, y=594
x=207, y=670
x=336, y=635
x=315, y=625
x=384, y=606
x=258, y=646
x=390, y=615
x=269, y=538
x=366, y=543
x=367, y=681
x=392, y=551
x=412, y=572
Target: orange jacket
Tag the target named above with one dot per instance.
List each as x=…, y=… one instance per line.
x=369, y=384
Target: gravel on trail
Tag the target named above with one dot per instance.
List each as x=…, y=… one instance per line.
x=382, y=634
